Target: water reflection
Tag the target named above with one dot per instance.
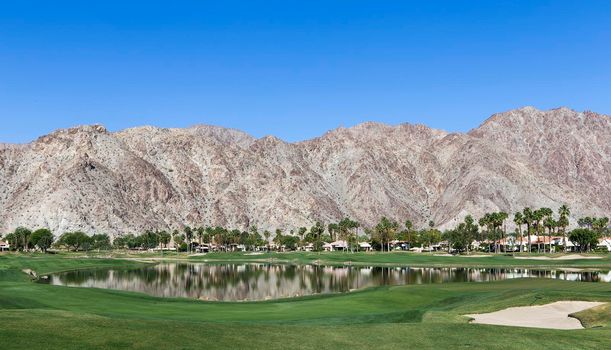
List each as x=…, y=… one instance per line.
x=231, y=282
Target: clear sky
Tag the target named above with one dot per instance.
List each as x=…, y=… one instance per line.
x=295, y=69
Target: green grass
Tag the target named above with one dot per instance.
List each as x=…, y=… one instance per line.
x=405, y=258
x=36, y=315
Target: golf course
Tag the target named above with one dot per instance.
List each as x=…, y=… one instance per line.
x=38, y=315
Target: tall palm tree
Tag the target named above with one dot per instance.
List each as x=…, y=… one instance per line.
x=550, y=224
x=487, y=221
x=528, y=220
x=518, y=219
x=563, y=222
x=547, y=221
x=501, y=216
x=408, y=227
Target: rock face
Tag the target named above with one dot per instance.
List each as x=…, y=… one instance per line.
x=89, y=179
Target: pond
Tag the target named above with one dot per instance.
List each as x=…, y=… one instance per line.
x=244, y=282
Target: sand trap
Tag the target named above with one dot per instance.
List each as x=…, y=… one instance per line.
x=466, y=256
x=476, y=256
x=563, y=257
x=552, y=316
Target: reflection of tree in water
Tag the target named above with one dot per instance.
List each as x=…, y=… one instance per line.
x=264, y=281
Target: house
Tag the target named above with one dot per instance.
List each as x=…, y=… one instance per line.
x=365, y=246
x=308, y=248
x=605, y=243
x=327, y=247
x=339, y=245
x=203, y=248
x=4, y=246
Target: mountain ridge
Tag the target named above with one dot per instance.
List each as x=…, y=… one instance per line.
x=90, y=179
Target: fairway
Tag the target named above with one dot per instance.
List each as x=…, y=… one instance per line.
x=413, y=316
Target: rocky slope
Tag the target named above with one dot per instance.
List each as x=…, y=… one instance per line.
x=89, y=179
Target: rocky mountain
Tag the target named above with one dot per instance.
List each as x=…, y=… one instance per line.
x=86, y=178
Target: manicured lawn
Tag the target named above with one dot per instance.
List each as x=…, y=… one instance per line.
x=36, y=315
x=411, y=259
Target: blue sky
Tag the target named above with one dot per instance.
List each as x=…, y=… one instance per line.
x=295, y=69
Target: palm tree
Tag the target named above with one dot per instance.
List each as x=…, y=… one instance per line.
x=267, y=234
x=537, y=217
x=385, y=230
x=500, y=222
x=563, y=222
x=547, y=221
x=487, y=222
x=409, y=226
x=518, y=219
x=188, y=235
x=528, y=220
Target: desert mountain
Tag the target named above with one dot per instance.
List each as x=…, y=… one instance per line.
x=86, y=178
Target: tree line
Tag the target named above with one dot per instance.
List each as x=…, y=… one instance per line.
x=490, y=228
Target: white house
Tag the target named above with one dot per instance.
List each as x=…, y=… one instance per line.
x=4, y=246
x=339, y=245
x=365, y=246
x=605, y=243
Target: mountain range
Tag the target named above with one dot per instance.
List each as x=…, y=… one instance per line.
x=87, y=178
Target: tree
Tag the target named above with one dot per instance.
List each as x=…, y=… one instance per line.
x=74, y=240
x=267, y=234
x=584, y=238
x=346, y=229
x=100, y=241
x=385, y=231
x=409, y=227
x=528, y=220
x=499, y=221
x=563, y=222
x=585, y=222
x=487, y=221
x=188, y=237
x=547, y=221
x=537, y=217
x=164, y=238
x=200, y=234
x=21, y=238
x=461, y=237
x=301, y=232
x=600, y=225
x=430, y=237
x=315, y=234
x=518, y=219
x=333, y=229
x=42, y=238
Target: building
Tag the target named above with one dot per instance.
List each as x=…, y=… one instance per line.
x=4, y=246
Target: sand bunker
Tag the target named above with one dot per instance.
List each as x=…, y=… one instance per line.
x=465, y=256
x=552, y=316
x=563, y=257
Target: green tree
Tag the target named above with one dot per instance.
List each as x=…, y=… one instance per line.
x=563, y=222
x=188, y=236
x=316, y=235
x=100, y=241
x=528, y=220
x=75, y=240
x=547, y=222
x=584, y=238
x=267, y=234
x=518, y=219
x=385, y=231
x=347, y=231
x=22, y=238
x=409, y=229
x=42, y=238
x=301, y=232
